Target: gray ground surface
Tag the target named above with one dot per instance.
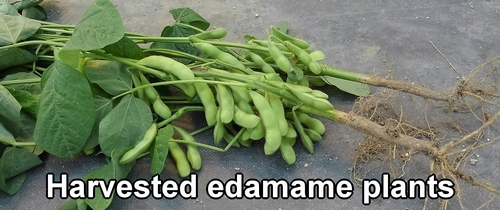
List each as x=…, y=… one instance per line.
x=355, y=35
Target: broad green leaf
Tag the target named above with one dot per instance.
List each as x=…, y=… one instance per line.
x=26, y=134
x=111, y=76
x=12, y=185
x=66, y=114
x=69, y=57
x=26, y=3
x=125, y=125
x=188, y=16
x=16, y=28
x=177, y=31
x=5, y=136
x=125, y=48
x=112, y=170
x=7, y=9
x=10, y=114
x=15, y=56
x=159, y=150
x=100, y=26
x=36, y=12
x=33, y=88
x=102, y=107
x=15, y=161
x=28, y=101
x=355, y=88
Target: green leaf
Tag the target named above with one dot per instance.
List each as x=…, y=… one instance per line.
x=177, y=31
x=100, y=26
x=28, y=101
x=159, y=151
x=112, y=170
x=111, y=76
x=125, y=125
x=125, y=48
x=102, y=107
x=355, y=88
x=68, y=111
x=26, y=3
x=7, y=9
x=15, y=161
x=34, y=88
x=5, y=136
x=69, y=57
x=10, y=114
x=188, y=16
x=16, y=28
x=26, y=134
x=15, y=56
x=12, y=185
x=36, y=12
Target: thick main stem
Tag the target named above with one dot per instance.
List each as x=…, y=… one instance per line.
x=371, y=128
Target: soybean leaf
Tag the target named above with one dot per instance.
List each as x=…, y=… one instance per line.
x=15, y=56
x=16, y=28
x=67, y=114
x=10, y=114
x=102, y=107
x=5, y=136
x=37, y=12
x=26, y=3
x=26, y=134
x=347, y=86
x=159, y=150
x=110, y=171
x=33, y=88
x=12, y=185
x=111, y=76
x=177, y=31
x=15, y=161
x=188, y=16
x=125, y=125
x=7, y=9
x=125, y=48
x=70, y=57
x=28, y=101
x=100, y=26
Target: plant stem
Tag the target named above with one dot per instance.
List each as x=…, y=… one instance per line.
x=20, y=81
x=33, y=42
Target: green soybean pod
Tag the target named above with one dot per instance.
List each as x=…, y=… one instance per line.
x=304, y=57
x=208, y=100
x=244, y=119
x=311, y=123
x=306, y=141
x=150, y=92
x=186, y=88
x=319, y=94
x=161, y=109
x=317, y=81
x=240, y=93
x=291, y=134
x=279, y=112
x=217, y=33
x=245, y=142
x=193, y=155
x=268, y=117
x=280, y=59
x=181, y=161
x=312, y=101
x=140, y=92
x=246, y=134
x=264, y=43
x=228, y=137
x=258, y=132
x=168, y=65
x=287, y=152
x=141, y=146
x=266, y=68
x=317, y=55
x=285, y=37
x=218, y=129
x=244, y=106
x=214, y=52
x=313, y=135
x=226, y=103
x=299, y=88
x=304, y=82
